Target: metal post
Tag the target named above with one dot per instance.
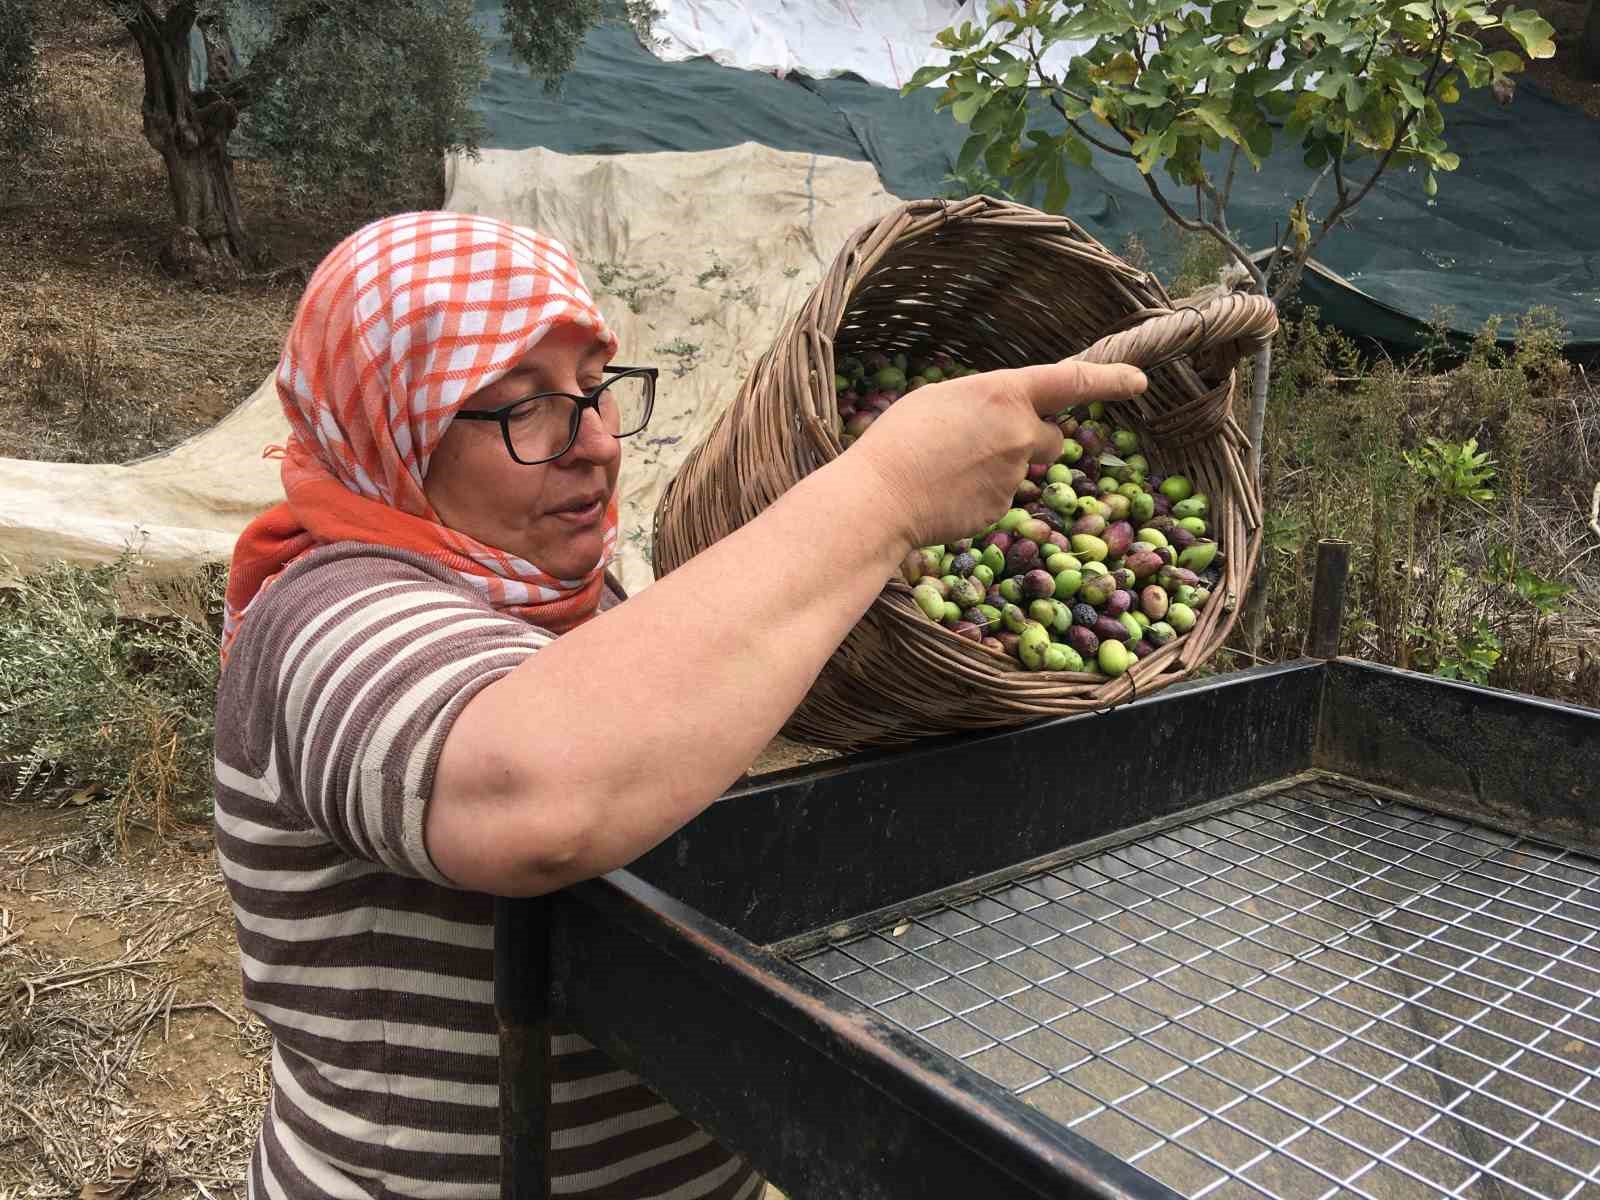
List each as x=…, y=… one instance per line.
x=522, y=1010
x=1327, y=598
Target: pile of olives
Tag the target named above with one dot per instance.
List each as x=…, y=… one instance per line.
x=1100, y=562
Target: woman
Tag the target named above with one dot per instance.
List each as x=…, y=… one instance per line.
x=433, y=695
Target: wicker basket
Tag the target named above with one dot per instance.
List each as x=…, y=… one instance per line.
x=995, y=285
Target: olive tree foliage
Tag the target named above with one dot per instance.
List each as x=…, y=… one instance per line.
x=1190, y=92
x=547, y=35
x=338, y=93
x=356, y=106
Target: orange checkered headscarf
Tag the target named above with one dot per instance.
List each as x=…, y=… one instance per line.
x=402, y=322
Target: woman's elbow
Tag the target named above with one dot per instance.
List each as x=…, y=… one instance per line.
x=508, y=843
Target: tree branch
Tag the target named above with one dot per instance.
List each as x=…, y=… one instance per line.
x=1055, y=102
x=273, y=58
x=1203, y=226
x=1227, y=186
x=1347, y=201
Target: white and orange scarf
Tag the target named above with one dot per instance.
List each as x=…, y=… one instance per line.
x=401, y=322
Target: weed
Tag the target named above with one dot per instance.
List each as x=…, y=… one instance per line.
x=635, y=287
x=108, y=678
x=686, y=352
x=717, y=270
x=1454, y=472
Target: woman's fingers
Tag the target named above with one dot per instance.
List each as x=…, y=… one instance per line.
x=1053, y=388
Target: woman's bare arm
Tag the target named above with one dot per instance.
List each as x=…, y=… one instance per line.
x=604, y=742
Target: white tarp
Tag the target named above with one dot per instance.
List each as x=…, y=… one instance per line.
x=883, y=41
x=695, y=258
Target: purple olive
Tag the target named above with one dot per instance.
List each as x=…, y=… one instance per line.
x=1036, y=471
x=1144, y=563
x=999, y=539
x=1172, y=578
x=1119, y=602
x=1118, y=537
x=1142, y=649
x=1091, y=523
x=1110, y=629
x=1008, y=642
x=1027, y=492
x=993, y=597
x=1083, y=639
x=1022, y=557
x=967, y=630
x=1038, y=585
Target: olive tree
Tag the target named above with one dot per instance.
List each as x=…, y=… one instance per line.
x=335, y=92
x=1190, y=91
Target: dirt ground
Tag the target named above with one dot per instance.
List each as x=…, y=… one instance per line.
x=125, y=1051
x=127, y=1059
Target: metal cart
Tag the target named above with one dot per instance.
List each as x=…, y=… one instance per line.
x=1311, y=930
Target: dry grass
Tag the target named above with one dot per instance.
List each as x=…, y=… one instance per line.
x=102, y=356
x=124, y=1052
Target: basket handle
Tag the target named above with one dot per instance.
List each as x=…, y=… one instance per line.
x=1228, y=327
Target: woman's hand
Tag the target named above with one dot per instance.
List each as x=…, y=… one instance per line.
x=950, y=455
x=610, y=738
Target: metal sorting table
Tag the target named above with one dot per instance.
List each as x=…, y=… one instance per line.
x=1312, y=930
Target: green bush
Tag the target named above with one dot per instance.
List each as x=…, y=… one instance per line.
x=19, y=78
x=108, y=679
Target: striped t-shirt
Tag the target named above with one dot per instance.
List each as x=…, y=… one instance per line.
x=374, y=975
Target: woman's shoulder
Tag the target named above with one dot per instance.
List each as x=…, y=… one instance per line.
x=342, y=565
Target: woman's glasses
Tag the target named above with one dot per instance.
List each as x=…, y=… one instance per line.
x=541, y=428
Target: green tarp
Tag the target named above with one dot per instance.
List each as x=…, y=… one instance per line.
x=1517, y=226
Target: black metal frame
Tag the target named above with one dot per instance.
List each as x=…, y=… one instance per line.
x=589, y=400
x=677, y=967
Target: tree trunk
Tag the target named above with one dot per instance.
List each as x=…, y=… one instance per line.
x=1589, y=43
x=190, y=131
x=1255, y=612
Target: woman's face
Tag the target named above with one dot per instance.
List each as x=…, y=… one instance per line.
x=552, y=514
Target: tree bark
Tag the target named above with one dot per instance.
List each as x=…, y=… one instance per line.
x=190, y=131
x=1589, y=43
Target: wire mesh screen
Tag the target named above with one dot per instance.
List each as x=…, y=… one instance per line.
x=1316, y=994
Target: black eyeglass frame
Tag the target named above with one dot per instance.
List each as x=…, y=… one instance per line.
x=579, y=403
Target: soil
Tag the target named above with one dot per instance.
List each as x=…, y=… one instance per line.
x=192, y=1090
x=1561, y=76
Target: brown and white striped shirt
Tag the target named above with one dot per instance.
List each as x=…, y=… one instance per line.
x=373, y=973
